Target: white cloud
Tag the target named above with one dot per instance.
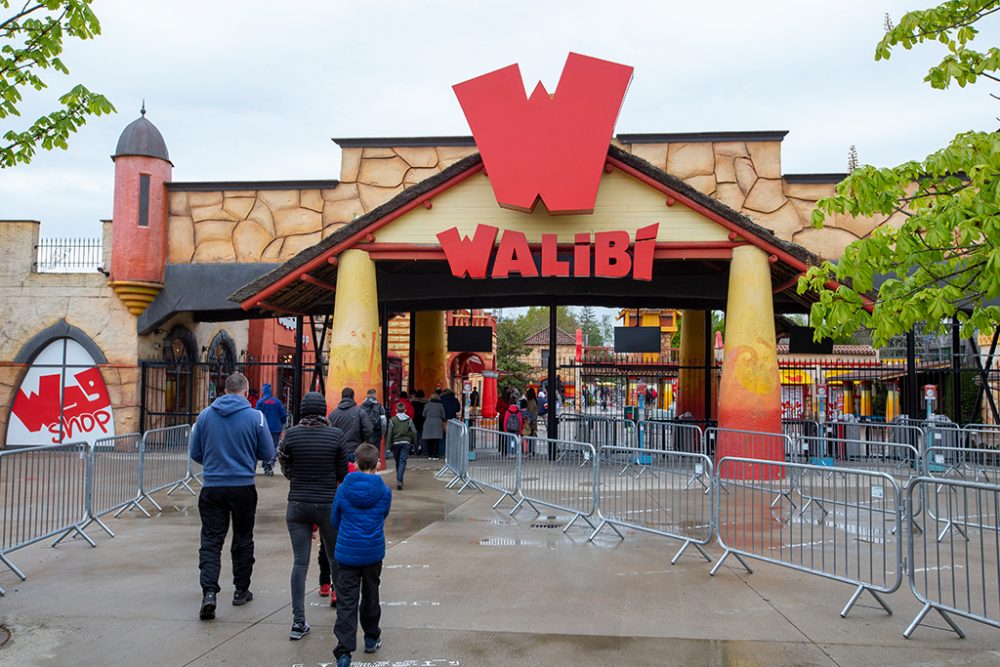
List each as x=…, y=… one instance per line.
x=254, y=90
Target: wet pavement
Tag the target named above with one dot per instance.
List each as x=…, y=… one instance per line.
x=463, y=584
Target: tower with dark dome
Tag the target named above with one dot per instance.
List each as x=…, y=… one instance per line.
x=139, y=225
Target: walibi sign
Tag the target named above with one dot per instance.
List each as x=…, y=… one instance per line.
x=605, y=255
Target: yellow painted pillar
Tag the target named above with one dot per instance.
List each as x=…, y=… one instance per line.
x=750, y=394
x=892, y=402
x=866, y=399
x=848, y=408
x=355, y=340
x=430, y=363
x=691, y=374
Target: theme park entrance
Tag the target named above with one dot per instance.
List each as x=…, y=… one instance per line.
x=651, y=242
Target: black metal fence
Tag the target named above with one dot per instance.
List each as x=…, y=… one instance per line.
x=173, y=393
x=68, y=255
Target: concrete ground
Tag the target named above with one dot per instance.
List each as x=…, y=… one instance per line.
x=463, y=584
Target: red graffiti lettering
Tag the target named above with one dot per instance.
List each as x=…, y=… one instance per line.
x=81, y=404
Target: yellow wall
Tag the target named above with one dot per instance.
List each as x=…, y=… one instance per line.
x=623, y=203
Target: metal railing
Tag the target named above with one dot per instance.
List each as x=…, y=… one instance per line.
x=114, y=482
x=43, y=491
x=456, y=452
x=958, y=575
x=165, y=462
x=68, y=255
x=493, y=462
x=542, y=480
x=852, y=543
x=660, y=498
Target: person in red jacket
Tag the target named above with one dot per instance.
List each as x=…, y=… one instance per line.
x=404, y=398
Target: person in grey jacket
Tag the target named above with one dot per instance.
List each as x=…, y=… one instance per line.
x=352, y=420
x=433, y=430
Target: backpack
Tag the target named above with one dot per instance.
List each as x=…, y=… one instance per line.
x=512, y=424
x=374, y=412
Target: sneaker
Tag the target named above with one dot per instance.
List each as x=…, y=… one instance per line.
x=207, y=606
x=344, y=661
x=399, y=486
x=269, y=471
x=299, y=630
x=240, y=598
x=372, y=645
x=324, y=590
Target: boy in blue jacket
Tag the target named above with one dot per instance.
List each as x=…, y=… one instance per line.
x=358, y=515
x=276, y=414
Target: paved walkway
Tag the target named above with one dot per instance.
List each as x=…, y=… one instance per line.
x=463, y=585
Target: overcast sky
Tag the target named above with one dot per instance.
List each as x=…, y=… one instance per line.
x=255, y=90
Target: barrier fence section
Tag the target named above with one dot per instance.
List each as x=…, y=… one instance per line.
x=598, y=431
x=966, y=463
x=43, y=494
x=493, y=462
x=659, y=499
x=669, y=437
x=456, y=452
x=852, y=540
x=165, y=462
x=544, y=480
x=114, y=484
x=957, y=572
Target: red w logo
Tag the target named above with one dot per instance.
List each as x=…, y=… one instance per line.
x=551, y=147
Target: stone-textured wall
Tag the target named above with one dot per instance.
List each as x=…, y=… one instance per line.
x=274, y=225
x=34, y=301
x=746, y=176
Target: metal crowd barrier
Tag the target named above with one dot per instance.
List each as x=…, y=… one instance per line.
x=543, y=480
x=43, y=491
x=598, y=431
x=670, y=437
x=902, y=433
x=966, y=463
x=456, y=452
x=661, y=502
x=853, y=543
x=982, y=436
x=114, y=482
x=959, y=575
x=165, y=462
x=493, y=462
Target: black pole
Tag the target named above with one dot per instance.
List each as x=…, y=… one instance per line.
x=384, y=351
x=709, y=362
x=552, y=424
x=412, y=352
x=143, y=378
x=956, y=371
x=297, y=369
x=912, y=391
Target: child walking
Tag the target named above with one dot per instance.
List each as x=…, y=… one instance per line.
x=358, y=515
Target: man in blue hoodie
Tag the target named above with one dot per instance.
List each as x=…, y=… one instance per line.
x=228, y=439
x=275, y=414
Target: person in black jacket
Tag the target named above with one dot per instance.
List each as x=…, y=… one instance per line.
x=352, y=420
x=314, y=460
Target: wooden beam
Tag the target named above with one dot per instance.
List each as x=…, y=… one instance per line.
x=312, y=280
x=278, y=309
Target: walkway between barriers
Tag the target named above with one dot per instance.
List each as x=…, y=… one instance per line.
x=462, y=584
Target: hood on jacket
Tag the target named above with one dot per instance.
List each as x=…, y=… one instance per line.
x=512, y=408
x=346, y=404
x=363, y=490
x=402, y=416
x=265, y=391
x=229, y=404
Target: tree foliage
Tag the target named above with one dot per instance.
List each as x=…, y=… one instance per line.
x=943, y=260
x=31, y=43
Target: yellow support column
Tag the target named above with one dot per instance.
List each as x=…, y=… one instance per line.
x=750, y=393
x=430, y=365
x=691, y=374
x=355, y=340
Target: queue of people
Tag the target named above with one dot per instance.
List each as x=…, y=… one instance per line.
x=347, y=509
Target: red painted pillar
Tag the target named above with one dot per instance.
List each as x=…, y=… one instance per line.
x=489, y=399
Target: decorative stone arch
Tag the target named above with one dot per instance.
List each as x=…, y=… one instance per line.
x=222, y=349
x=180, y=345
x=60, y=329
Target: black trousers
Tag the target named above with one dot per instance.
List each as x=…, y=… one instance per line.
x=216, y=505
x=353, y=583
x=324, y=563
